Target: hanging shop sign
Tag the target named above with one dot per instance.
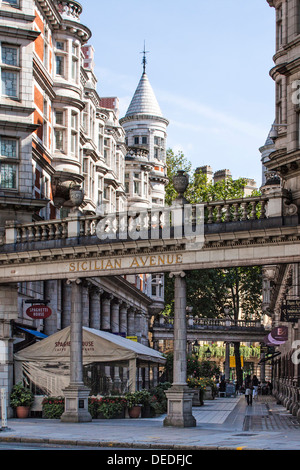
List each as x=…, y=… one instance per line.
x=290, y=311
x=277, y=337
x=133, y=338
x=39, y=312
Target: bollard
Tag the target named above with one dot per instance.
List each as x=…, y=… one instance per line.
x=3, y=409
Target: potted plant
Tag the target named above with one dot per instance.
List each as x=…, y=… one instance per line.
x=198, y=385
x=21, y=399
x=53, y=407
x=144, y=398
x=111, y=407
x=133, y=404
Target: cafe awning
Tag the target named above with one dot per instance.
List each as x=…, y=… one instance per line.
x=98, y=346
x=47, y=363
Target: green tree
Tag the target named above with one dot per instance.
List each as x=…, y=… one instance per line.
x=210, y=290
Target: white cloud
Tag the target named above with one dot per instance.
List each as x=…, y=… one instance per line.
x=193, y=107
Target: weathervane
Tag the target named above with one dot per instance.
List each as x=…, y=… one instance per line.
x=144, y=58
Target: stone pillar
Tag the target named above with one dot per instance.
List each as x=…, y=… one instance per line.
x=137, y=325
x=131, y=322
x=106, y=317
x=123, y=318
x=106, y=325
x=263, y=368
x=227, y=361
x=53, y=294
x=115, y=327
x=76, y=394
x=95, y=308
x=115, y=313
x=8, y=312
x=85, y=303
x=66, y=305
x=179, y=395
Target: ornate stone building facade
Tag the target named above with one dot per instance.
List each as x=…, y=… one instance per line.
x=64, y=150
x=281, y=160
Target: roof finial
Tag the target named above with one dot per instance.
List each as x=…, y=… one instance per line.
x=144, y=52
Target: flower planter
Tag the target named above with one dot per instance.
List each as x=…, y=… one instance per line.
x=135, y=411
x=208, y=395
x=197, y=397
x=146, y=411
x=22, y=411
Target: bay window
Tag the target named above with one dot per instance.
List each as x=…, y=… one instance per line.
x=9, y=149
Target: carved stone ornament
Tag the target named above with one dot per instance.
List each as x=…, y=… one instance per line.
x=290, y=209
x=76, y=196
x=181, y=182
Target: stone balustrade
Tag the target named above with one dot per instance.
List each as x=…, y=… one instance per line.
x=70, y=10
x=162, y=223
x=211, y=323
x=235, y=210
x=36, y=231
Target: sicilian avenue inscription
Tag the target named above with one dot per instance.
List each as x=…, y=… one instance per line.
x=121, y=263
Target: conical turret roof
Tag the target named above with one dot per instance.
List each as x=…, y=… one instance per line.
x=144, y=100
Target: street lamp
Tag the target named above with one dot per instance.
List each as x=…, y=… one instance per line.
x=208, y=353
x=196, y=347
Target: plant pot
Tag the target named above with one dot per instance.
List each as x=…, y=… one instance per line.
x=22, y=411
x=208, y=393
x=135, y=411
x=146, y=411
x=120, y=415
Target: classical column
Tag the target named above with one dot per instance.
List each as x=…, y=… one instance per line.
x=179, y=395
x=106, y=317
x=137, y=325
x=106, y=325
x=115, y=327
x=85, y=303
x=227, y=362
x=53, y=294
x=66, y=304
x=131, y=322
x=76, y=394
x=115, y=313
x=123, y=318
x=95, y=308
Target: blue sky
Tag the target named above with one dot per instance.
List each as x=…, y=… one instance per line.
x=208, y=64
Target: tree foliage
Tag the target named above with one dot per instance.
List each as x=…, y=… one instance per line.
x=210, y=290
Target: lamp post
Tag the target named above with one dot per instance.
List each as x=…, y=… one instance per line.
x=196, y=347
x=208, y=353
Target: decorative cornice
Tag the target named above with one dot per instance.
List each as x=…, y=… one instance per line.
x=19, y=33
x=142, y=117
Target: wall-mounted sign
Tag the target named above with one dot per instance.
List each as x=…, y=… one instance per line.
x=278, y=336
x=39, y=312
x=290, y=311
x=133, y=338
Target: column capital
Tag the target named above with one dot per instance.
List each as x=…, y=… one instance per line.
x=107, y=296
x=124, y=305
x=177, y=274
x=77, y=281
x=95, y=290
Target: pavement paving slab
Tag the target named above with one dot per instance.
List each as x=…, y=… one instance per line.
x=223, y=423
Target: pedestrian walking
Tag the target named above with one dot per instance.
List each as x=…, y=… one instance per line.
x=255, y=384
x=248, y=387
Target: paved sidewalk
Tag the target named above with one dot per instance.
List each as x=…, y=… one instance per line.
x=223, y=423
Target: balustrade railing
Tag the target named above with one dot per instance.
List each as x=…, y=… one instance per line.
x=236, y=210
x=160, y=223
x=210, y=323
